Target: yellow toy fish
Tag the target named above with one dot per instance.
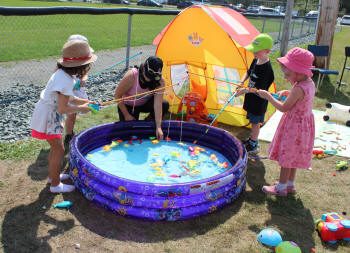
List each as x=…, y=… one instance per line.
x=154, y=141
x=114, y=143
x=107, y=148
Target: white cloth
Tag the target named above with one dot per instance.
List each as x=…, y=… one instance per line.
x=45, y=118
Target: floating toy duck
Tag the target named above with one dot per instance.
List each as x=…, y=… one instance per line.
x=107, y=148
x=154, y=141
x=175, y=154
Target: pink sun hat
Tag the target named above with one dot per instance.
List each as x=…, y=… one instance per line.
x=298, y=60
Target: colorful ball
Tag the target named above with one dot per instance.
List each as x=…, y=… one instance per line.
x=287, y=247
x=269, y=237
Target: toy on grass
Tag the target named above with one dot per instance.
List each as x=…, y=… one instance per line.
x=332, y=227
x=287, y=247
x=342, y=165
x=269, y=237
x=337, y=112
x=63, y=205
x=319, y=153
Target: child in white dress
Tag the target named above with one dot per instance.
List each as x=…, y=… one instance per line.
x=56, y=99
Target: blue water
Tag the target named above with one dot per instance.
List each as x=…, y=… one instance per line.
x=165, y=162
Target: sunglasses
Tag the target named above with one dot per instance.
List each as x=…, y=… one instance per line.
x=155, y=74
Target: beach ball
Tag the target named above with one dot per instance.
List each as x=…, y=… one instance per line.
x=269, y=237
x=287, y=247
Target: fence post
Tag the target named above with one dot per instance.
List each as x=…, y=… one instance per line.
x=308, y=29
x=263, y=27
x=279, y=30
x=291, y=35
x=285, y=33
x=301, y=30
x=128, y=42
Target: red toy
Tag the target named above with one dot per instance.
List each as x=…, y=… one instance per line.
x=332, y=227
x=196, y=110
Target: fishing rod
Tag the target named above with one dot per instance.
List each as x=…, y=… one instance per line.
x=216, y=116
x=235, y=82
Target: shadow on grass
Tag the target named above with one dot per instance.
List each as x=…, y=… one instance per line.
x=326, y=91
x=290, y=217
x=20, y=224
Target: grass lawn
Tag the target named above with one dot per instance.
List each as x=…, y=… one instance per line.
x=36, y=37
x=29, y=224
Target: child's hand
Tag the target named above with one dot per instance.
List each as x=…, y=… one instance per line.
x=159, y=133
x=241, y=91
x=282, y=93
x=84, y=108
x=264, y=94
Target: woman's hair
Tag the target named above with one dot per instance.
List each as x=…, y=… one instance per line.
x=79, y=71
x=152, y=69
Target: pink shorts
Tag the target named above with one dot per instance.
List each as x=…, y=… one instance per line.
x=45, y=136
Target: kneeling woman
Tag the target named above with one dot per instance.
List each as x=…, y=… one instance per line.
x=138, y=80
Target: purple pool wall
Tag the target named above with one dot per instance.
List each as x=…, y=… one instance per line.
x=158, y=201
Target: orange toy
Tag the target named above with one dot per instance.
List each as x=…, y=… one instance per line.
x=195, y=109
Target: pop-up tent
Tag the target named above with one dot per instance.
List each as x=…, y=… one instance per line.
x=203, y=51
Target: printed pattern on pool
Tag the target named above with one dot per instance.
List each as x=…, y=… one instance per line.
x=158, y=201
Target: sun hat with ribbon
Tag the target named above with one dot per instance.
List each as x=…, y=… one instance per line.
x=76, y=53
x=298, y=60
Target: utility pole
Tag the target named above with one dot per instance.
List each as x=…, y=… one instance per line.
x=327, y=21
x=286, y=32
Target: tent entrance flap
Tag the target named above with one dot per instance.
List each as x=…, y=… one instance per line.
x=198, y=82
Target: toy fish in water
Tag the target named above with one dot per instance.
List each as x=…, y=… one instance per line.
x=174, y=176
x=114, y=143
x=107, y=148
x=152, y=138
x=167, y=139
x=64, y=204
x=155, y=141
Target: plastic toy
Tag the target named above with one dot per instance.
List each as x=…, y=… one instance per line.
x=287, y=247
x=332, y=227
x=195, y=109
x=94, y=107
x=337, y=112
x=269, y=237
x=319, y=153
x=63, y=205
x=276, y=96
x=342, y=165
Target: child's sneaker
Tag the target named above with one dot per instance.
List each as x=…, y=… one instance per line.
x=252, y=147
x=62, y=178
x=62, y=188
x=272, y=190
x=291, y=189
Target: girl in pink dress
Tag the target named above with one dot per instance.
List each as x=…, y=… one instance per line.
x=293, y=142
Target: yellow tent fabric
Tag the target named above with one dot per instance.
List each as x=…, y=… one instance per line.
x=203, y=51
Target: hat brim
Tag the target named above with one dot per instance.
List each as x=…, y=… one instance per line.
x=306, y=70
x=251, y=48
x=71, y=64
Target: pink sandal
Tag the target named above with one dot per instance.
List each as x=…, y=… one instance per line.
x=272, y=190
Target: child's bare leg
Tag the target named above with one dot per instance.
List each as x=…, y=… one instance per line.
x=291, y=179
x=55, y=160
x=255, y=132
x=284, y=175
x=292, y=174
x=70, y=121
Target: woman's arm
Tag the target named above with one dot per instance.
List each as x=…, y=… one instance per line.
x=295, y=94
x=65, y=108
x=79, y=101
x=124, y=85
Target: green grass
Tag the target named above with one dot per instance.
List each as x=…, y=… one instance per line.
x=37, y=37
